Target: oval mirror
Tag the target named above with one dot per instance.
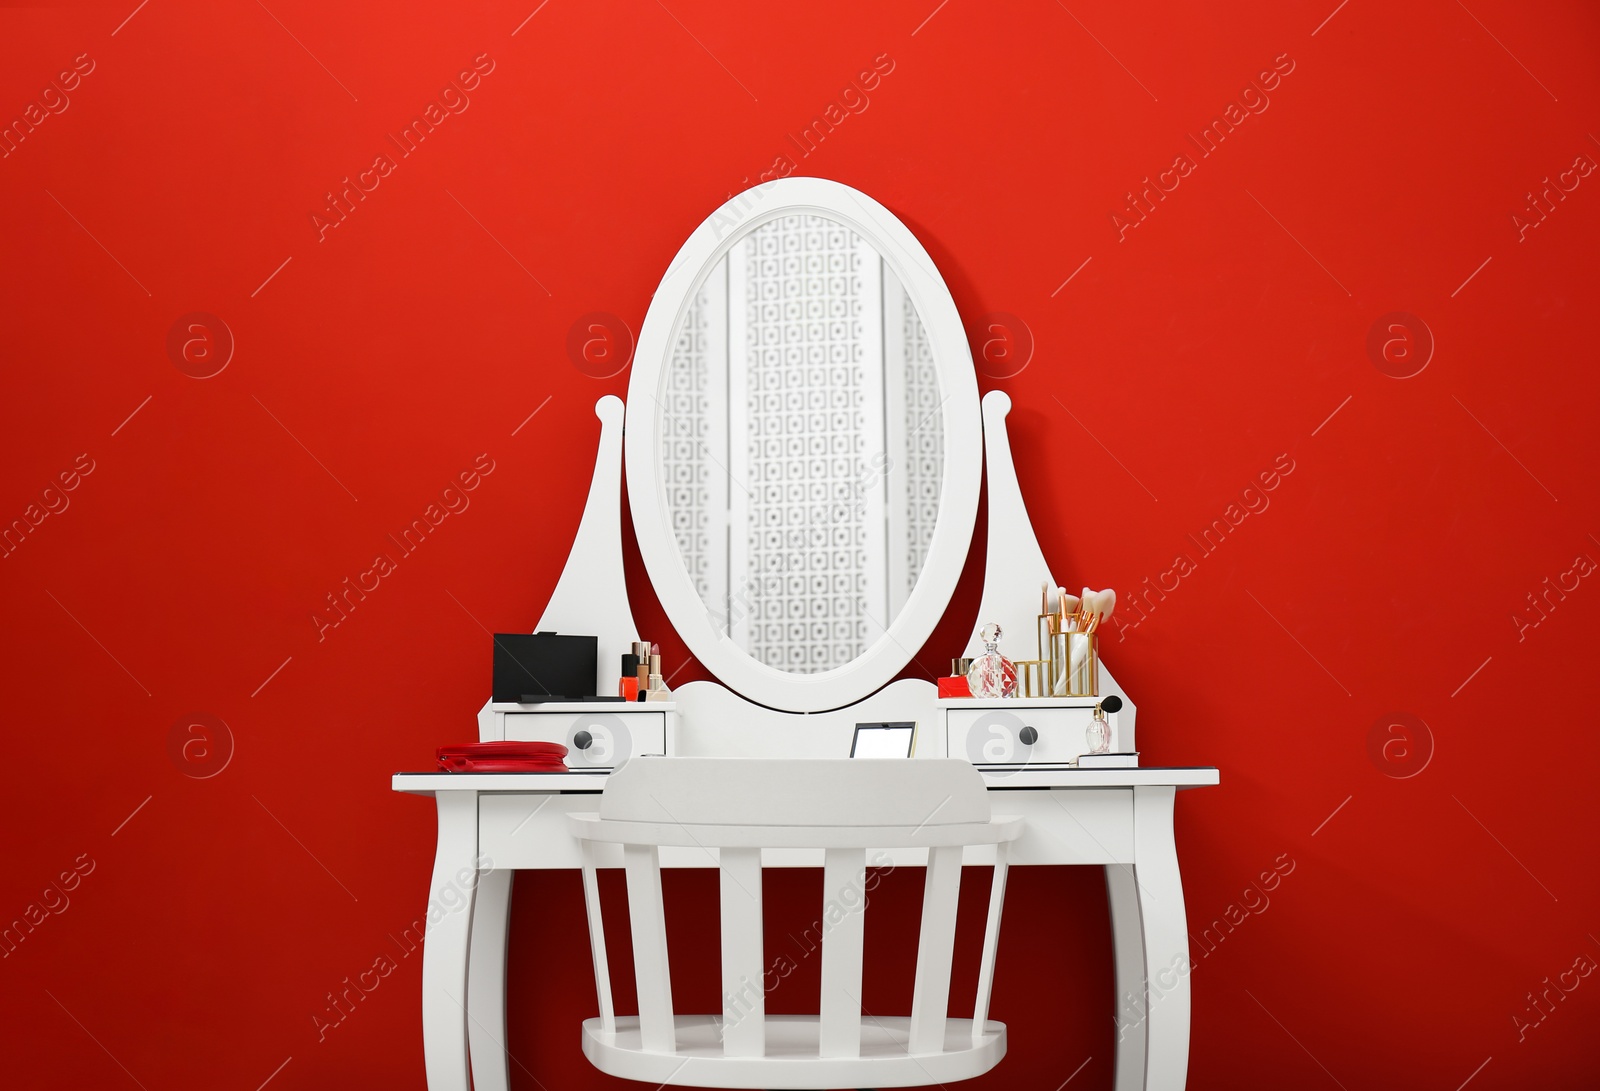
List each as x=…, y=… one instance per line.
x=803, y=444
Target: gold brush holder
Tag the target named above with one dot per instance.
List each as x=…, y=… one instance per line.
x=1031, y=677
x=1074, y=665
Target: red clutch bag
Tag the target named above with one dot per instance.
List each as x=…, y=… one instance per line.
x=503, y=757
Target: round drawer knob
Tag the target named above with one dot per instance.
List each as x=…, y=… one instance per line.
x=1028, y=736
x=583, y=740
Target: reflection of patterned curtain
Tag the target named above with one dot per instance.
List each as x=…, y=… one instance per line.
x=683, y=453
x=801, y=436
x=807, y=538
x=924, y=443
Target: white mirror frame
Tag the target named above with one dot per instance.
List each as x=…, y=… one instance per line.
x=963, y=446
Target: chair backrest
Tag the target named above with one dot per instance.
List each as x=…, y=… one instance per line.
x=737, y=807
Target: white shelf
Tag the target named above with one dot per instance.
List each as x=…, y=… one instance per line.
x=1191, y=776
x=428, y=783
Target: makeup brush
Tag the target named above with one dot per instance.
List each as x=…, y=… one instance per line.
x=1070, y=606
x=1097, y=606
x=1046, y=621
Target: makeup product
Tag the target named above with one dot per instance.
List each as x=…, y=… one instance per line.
x=654, y=689
x=1098, y=734
x=960, y=667
x=628, y=687
x=1046, y=621
x=1056, y=621
x=954, y=687
x=1097, y=607
x=1066, y=615
x=1110, y=706
x=992, y=674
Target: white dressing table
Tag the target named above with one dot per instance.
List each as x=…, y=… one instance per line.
x=493, y=824
x=1118, y=818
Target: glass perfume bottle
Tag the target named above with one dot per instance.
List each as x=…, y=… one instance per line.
x=992, y=674
x=1098, y=735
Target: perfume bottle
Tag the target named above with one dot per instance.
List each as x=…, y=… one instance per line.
x=1098, y=735
x=992, y=674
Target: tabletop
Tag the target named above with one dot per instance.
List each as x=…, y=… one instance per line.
x=1027, y=777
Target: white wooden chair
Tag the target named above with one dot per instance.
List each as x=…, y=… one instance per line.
x=736, y=807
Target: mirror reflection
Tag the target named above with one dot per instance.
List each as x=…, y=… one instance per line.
x=802, y=444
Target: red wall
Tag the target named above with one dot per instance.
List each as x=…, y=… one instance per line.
x=1392, y=160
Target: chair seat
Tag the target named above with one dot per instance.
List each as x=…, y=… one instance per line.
x=791, y=1059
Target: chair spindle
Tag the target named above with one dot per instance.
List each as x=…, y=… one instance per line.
x=744, y=1006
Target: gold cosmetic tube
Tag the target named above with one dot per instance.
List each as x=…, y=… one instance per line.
x=1074, y=669
x=1047, y=625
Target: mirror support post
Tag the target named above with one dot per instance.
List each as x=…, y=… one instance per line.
x=1015, y=566
x=592, y=596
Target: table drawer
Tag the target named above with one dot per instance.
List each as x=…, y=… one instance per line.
x=996, y=736
x=594, y=740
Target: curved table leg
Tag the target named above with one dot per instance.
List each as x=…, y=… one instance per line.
x=449, y=938
x=1127, y=942
x=1166, y=939
x=486, y=981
